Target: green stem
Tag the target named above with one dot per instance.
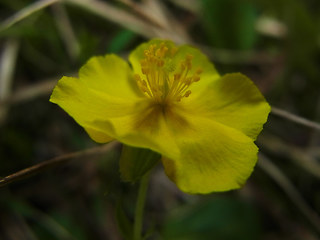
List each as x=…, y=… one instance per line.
x=138, y=218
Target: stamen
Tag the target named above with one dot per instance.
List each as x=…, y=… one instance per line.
x=161, y=80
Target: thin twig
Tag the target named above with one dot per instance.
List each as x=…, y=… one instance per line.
x=25, y=12
x=275, y=173
x=295, y=118
x=54, y=162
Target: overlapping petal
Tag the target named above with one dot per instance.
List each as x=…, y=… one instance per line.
x=146, y=128
x=213, y=157
x=104, y=89
x=106, y=117
x=111, y=75
x=86, y=105
x=234, y=101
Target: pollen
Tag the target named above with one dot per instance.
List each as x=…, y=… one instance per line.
x=164, y=80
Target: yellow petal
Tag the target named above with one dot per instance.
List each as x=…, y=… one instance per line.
x=146, y=127
x=85, y=105
x=111, y=75
x=213, y=158
x=103, y=90
x=199, y=155
x=234, y=101
x=106, y=117
x=97, y=135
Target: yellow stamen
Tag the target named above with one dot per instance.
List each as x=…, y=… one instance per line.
x=162, y=82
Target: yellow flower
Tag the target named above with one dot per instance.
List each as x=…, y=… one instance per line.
x=173, y=102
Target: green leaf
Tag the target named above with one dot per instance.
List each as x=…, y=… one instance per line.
x=230, y=23
x=120, y=41
x=135, y=162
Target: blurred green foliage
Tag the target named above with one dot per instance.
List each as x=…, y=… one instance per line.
x=216, y=218
x=230, y=24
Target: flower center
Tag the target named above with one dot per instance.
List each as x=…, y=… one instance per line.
x=161, y=79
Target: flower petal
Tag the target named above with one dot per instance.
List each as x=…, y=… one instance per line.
x=106, y=117
x=200, y=155
x=88, y=106
x=98, y=136
x=109, y=74
x=146, y=127
x=234, y=101
x=105, y=89
x=214, y=158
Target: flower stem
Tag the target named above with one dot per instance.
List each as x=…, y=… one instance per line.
x=138, y=218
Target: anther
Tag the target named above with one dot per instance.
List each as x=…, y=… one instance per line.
x=137, y=77
x=189, y=57
x=145, y=70
x=187, y=94
x=199, y=71
x=188, y=81
x=144, y=83
x=143, y=62
x=177, y=76
x=159, y=53
x=160, y=63
x=196, y=78
x=173, y=51
x=183, y=66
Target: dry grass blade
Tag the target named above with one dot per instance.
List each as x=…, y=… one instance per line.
x=115, y=15
x=42, y=88
x=25, y=12
x=143, y=10
x=275, y=173
x=7, y=69
x=54, y=162
x=271, y=27
x=193, y=6
x=144, y=24
x=156, y=14
x=295, y=118
x=173, y=29
x=66, y=31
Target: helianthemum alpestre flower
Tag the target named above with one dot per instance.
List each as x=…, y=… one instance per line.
x=173, y=102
